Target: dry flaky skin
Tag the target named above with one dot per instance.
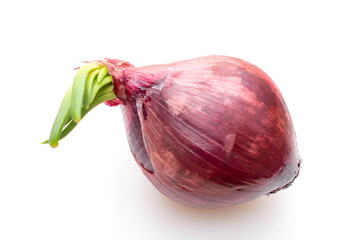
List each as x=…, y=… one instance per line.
x=208, y=132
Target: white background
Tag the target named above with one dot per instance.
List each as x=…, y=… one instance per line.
x=91, y=188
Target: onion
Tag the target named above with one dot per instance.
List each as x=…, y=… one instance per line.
x=207, y=132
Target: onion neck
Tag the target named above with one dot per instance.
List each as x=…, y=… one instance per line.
x=116, y=70
x=92, y=85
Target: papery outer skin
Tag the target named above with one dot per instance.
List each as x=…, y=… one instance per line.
x=209, y=132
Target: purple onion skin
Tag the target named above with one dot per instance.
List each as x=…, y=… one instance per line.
x=208, y=132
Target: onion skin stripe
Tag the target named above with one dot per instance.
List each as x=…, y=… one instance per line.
x=215, y=144
x=135, y=137
x=248, y=162
x=224, y=106
x=180, y=88
x=220, y=161
x=212, y=101
x=184, y=146
x=199, y=157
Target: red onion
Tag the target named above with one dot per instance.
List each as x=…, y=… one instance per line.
x=207, y=132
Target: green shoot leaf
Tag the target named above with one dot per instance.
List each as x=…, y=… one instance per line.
x=92, y=86
x=77, y=97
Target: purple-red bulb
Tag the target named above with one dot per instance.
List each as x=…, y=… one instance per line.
x=207, y=132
